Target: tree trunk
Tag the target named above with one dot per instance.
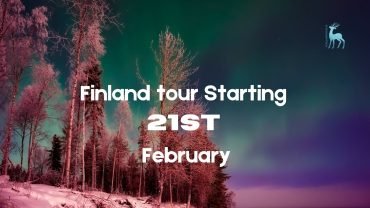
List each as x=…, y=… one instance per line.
x=177, y=193
x=70, y=126
x=9, y=129
x=33, y=131
x=144, y=184
x=160, y=166
x=114, y=165
x=22, y=145
x=29, y=154
x=119, y=181
x=64, y=163
x=77, y=49
x=3, y=18
x=140, y=180
x=33, y=145
x=102, y=178
x=189, y=195
x=171, y=190
x=160, y=190
x=93, y=169
x=83, y=147
x=76, y=147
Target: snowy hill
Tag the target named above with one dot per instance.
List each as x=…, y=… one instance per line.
x=24, y=195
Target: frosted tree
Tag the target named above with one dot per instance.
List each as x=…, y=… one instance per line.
x=38, y=29
x=199, y=175
x=5, y=22
x=21, y=37
x=143, y=142
x=23, y=118
x=31, y=111
x=95, y=118
x=87, y=43
x=120, y=153
x=105, y=144
x=15, y=44
x=147, y=139
x=78, y=142
x=89, y=16
x=79, y=126
x=195, y=178
x=10, y=11
x=175, y=68
x=43, y=75
x=43, y=89
x=175, y=65
x=40, y=160
x=171, y=171
x=133, y=175
x=4, y=84
x=120, y=142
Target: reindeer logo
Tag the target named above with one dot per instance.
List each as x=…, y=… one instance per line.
x=335, y=36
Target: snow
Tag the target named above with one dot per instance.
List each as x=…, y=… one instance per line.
x=25, y=195
x=4, y=179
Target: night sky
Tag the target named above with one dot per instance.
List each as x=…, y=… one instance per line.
x=315, y=150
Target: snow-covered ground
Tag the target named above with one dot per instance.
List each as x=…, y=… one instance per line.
x=24, y=195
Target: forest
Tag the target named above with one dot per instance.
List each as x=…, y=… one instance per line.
x=88, y=156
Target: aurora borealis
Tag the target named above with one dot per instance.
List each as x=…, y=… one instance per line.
x=313, y=151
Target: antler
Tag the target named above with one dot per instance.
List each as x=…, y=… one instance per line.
x=335, y=24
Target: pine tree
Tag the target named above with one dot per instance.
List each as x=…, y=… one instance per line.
x=87, y=43
x=133, y=175
x=55, y=154
x=119, y=155
x=143, y=142
x=175, y=65
x=151, y=176
x=120, y=150
x=94, y=117
x=104, y=145
x=220, y=196
x=200, y=175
